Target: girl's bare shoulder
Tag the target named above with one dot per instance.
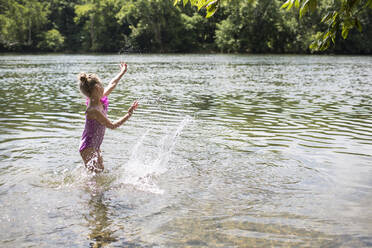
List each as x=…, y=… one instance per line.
x=92, y=112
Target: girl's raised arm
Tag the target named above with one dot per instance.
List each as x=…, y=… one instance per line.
x=101, y=118
x=116, y=79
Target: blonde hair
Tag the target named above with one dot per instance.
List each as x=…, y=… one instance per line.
x=87, y=82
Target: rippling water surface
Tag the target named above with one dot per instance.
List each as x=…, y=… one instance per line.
x=224, y=151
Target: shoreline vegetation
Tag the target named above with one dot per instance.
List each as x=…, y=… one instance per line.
x=157, y=26
x=61, y=53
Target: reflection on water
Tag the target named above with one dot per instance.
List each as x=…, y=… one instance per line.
x=224, y=151
x=99, y=221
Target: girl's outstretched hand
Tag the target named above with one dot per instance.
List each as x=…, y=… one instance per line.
x=123, y=67
x=133, y=107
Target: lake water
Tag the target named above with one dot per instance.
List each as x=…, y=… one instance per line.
x=224, y=151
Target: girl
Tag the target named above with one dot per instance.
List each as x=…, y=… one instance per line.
x=96, y=119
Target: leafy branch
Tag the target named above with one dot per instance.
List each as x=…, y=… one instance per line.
x=211, y=6
x=345, y=18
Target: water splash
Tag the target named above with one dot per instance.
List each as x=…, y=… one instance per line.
x=144, y=165
x=80, y=177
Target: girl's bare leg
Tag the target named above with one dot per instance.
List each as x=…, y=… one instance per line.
x=100, y=160
x=92, y=159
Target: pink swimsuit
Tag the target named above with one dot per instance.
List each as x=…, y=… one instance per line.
x=93, y=132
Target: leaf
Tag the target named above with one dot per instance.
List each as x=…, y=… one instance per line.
x=185, y=2
x=313, y=45
x=327, y=17
x=335, y=15
x=297, y=3
x=309, y=4
x=345, y=31
x=175, y=2
x=325, y=44
x=335, y=20
x=201, y=4
x=194, y=2
x=290, y=5
x=328, y=34
x=212, y=8
x=334, y=38
x=285, y=5
x=205, y=3
x=304, y=8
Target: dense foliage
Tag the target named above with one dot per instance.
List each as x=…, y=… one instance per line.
x=239, y=26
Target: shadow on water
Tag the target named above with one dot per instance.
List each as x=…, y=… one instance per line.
x=101, y=211
x=99, y=221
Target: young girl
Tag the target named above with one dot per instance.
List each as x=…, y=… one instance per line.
x=96, y=119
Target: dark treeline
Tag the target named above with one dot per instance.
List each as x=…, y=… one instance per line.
x=158, y=26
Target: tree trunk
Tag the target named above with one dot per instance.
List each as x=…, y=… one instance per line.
x=157, y=31
x=92, y=34
x=29, y=42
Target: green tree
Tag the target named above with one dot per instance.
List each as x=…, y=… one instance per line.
x=249, y=27
x=100, y=27
x=342, y=17
x=21, y=21
x=61, y=17
x=154, y=25
x=255, y=26
x=357, y=42
x=198, y=33
x=52, y=40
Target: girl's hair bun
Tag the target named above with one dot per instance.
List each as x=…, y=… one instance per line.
x=87, y=82
x=83, y=77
